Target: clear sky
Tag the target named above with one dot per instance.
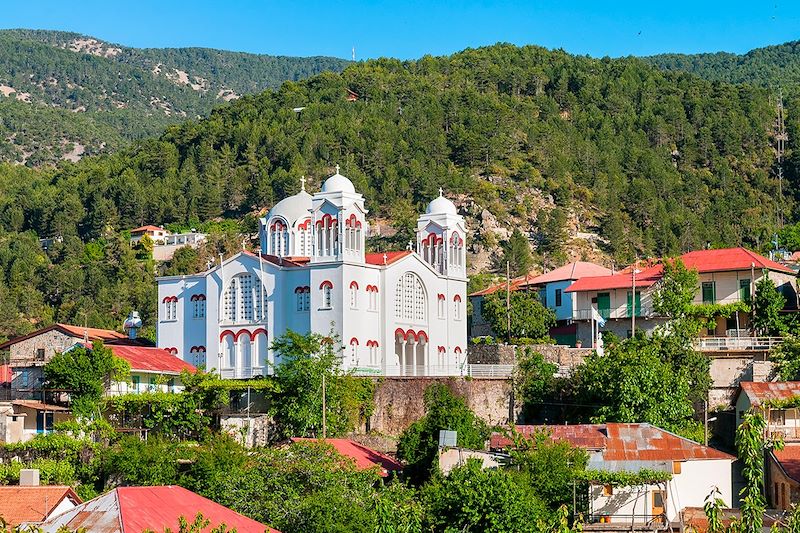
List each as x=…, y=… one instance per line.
x=414, y=28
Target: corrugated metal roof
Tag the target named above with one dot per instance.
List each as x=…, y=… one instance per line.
x=571, y=271
x=632, y=443
x=758, y=392
x=135, y=509
x=145, y=359
x=789, y=460
x=364, y=457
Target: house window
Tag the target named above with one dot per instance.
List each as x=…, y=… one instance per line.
x=153, y=385
x=135, y=381
x=558, y=297
x=543, y=297
x=171, y=385
x=40, y=354
x=744, y=290
x=676, y=467
x=709, y=292
x=170, y=308
x=634, y=301
x=777, y=417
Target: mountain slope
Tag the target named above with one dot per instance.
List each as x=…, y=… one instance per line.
x=770, y=66
x=123, y=93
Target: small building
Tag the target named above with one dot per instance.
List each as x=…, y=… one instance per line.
x=152, y=370
x=127, y=509
x=551, y=288
x=782, y=484
x=781, y=422
x=725, y=276
x=166, y=248
x=364, y=458
x=157, y=234
x=27, y=418
x=29, y=353
x=695, y=469
x=32, y=504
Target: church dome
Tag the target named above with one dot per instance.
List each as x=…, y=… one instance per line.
x=338, y=183
x=441, y=206
x=292, y=208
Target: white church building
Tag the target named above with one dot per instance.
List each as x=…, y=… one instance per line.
x=394, y=313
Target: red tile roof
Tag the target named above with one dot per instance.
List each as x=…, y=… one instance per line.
x=514, y=285
x=5, y=374
x=789, y=460
x=39, y=406
x=704, y=261
x=391, y=257
x=758, y=392
x=571, y=271
x=133, y=509
x=156, y=360
x=623, y=442
x=32, y=504
x=149, y=227
x=364, y=457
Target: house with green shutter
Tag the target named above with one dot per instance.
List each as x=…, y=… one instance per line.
x=624, y=300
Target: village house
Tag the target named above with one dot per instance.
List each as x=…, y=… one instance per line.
x=695, y=470
x=30, y=502
x=782, y=421
x=155, y=233
x=172, y=242
x=725, y=276
x=158, y=508
x=551, y=287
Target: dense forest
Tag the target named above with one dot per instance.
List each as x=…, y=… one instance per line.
x=70, y=88
x=654, y=162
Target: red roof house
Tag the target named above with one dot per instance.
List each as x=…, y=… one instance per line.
x=151, y=360
x=364, y=458
x=135, y=509
x=21, y=504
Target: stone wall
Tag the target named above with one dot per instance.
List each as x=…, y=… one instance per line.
x=504, y=354
x=23, y=353
x=249, y=431
x=728, y=372
x=399, y=401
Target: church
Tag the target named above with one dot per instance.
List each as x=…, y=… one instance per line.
x=392, y=313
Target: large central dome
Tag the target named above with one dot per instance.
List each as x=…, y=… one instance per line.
x=338, y=183
x=293, y=208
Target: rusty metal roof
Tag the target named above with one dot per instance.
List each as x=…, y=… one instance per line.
x=758, y=392
x=635, y=443
x=32, y=504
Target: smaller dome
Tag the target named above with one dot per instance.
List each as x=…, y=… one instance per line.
x=292, y=208
x=338, y=183
x=441, y=205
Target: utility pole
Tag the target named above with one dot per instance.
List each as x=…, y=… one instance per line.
x=705, y=422
x=633, y=300
x=780, y=147
x=324, y=419
x=508, y=300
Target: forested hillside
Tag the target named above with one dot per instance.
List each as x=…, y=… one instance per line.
x=554, y=144
x=59, y=90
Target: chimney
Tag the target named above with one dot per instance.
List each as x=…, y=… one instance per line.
x=133, y=324
x=29, y=477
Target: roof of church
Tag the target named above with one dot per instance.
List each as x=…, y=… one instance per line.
x=378, y=257
x=293, y=208
x=338, y=183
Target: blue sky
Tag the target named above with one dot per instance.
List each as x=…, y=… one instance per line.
x=411, y=29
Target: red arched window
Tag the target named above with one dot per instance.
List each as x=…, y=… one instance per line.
x=327, y=294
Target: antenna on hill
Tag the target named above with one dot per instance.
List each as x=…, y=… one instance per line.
x=780, y=146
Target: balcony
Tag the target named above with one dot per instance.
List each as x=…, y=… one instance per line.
x=243, y=373
x=475, y=371
x=614, y=314
x=736, y=344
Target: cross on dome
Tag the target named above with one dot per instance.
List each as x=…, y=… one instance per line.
x=441, y=191
x=302, y=183
x=337, y=169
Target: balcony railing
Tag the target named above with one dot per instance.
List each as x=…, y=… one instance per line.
x=722, y=344
x=616, y=313
x=477, y=371
x=243, y=373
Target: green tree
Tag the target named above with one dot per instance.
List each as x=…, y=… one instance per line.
x=675, y=293
x=767, y=306
x=529, y=318
x=85, y=373
x=419, y=443
x=517, y=253
x=307, y=360
x=787, y=359
x=472, y=499
x=534, y=379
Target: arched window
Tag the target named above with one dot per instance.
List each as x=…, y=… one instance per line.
x=304, y=234
x=373, y=352
x=441, y=305
x=372, y=293
x=229, y=352
x=410, y=301
x=198, y=305
x=457, y=307
x=279, y=238
x=353, y=295
x=456, y=250
x=327, y=294
x=170, y=308
x=353, y=350
x=261, y=347
x=197, y=356
x=303, y=297
x=244, y=300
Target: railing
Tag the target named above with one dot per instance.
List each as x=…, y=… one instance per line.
x=477, y=371
x=784, y=432
x=710, y=344
x=243, y=373
x=616, y=313
x=630, y=522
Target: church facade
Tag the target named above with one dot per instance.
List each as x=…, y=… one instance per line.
x=393, y=313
